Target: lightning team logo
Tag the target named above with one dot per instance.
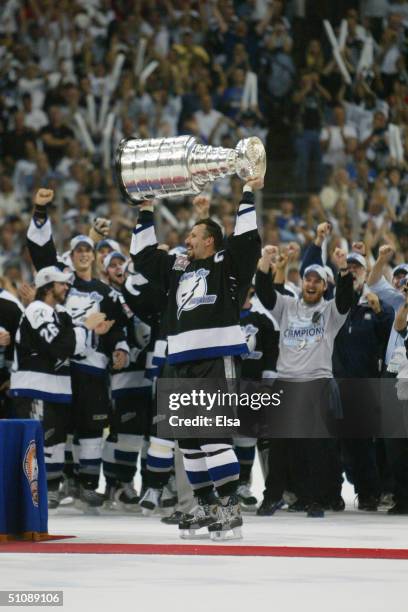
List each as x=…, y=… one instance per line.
x=80, y=304
x=250, y=332
x=192, y=291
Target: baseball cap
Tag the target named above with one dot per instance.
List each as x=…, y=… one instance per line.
x=81, y=239
x=110, y=256
x=358, y=258
x=401, y=268
x=317, y=269
x=330, y=275
x=108, y=242
x=51, y=274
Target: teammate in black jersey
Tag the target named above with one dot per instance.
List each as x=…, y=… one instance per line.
x=91, y=402
x=41, y=380
x=11, y=311
x=260, y=363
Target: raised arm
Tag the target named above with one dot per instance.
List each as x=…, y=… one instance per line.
x=344, y=284
x=313, y=254
x=385, y=253
x=39, y=236
x=155, y=264
x=244, y=246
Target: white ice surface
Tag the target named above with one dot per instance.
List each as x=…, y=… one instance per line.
x=119, y=583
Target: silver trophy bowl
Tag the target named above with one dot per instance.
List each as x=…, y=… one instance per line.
x=166, y=167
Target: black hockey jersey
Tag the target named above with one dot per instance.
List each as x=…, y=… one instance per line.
x=83, y=298
x=45, y=340
x=11, y=311
x=204, y=296
x=263, y=345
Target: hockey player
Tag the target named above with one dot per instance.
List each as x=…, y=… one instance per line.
x=41, y=380
x=206, y=290
x=308, y=327
x=130, y=389
x=91, y=402
x=11, y=311
x=259, y=363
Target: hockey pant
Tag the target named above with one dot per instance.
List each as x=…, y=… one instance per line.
x=129, y=423
x=210, y=463
x=91, y=410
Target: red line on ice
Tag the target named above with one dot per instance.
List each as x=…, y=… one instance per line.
x=204, y=549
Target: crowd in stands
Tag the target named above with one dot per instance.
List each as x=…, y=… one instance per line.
x=67, y=67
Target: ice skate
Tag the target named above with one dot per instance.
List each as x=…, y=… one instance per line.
x=53, y=500
x=169, y=498
x=89, y=501
x=229, y=521
x=174, y=518
x=69, y=491
x=150, y=501
x=247, y=501
x=194, y=526
x=127, y=498
x=110, y=502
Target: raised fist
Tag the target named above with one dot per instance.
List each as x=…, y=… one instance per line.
x=201, y=205
x=322, y=231
x=385, y=253
x=359, y=247
x=43, y=197
x=340, y=258
x=269, y=254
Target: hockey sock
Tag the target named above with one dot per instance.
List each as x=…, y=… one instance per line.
x=159, y=462
x=69, y=467
x=119, y=457
x=223, y=467
x=197, y=473
x=90, y=459
x=245, y=452
x=143, y=461
x=54, y=464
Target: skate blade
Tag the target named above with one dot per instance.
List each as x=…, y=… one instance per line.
x=67, y=501
x=249, y=509
x=194, y=534
x=86, y=509
x=109, y=506
x=167, y=511
x=130, y=508
x=148, y=511
x=231, y=534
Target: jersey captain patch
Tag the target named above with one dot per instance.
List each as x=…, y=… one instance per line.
x=192, y=291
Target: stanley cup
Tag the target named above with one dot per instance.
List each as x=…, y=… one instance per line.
x=166, y=167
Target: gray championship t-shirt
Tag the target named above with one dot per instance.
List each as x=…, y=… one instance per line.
x=307, y=335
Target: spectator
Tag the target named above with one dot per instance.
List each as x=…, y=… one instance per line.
x=338, y=140
x=309, y=101
x=55, y=136
x=14, y=140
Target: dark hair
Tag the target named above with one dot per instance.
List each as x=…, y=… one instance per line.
x=41, y=292
x=214, y=231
